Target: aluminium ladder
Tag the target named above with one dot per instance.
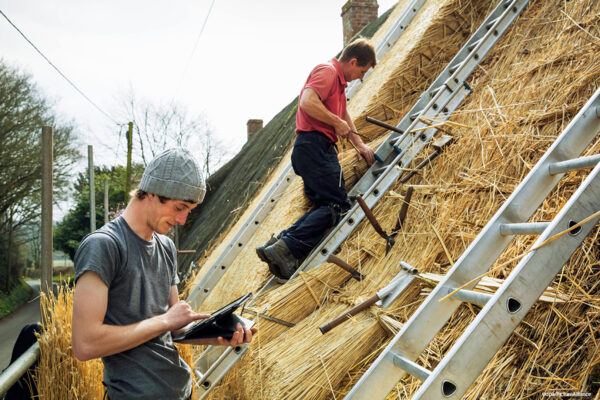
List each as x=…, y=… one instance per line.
x=444, y=95
x=267, y=203
x=502, y=311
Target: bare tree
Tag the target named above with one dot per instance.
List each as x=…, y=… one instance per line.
x=213, y=152
x=160, y=126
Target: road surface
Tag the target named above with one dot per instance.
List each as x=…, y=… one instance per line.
x=11, y=325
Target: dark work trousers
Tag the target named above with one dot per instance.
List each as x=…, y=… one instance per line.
x=314, y=158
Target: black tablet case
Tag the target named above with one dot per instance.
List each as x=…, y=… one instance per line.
x=222, y=322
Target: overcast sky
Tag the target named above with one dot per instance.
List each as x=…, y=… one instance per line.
x=251, y=59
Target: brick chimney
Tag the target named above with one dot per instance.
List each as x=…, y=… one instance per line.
x=356, y=14
x=254, y=125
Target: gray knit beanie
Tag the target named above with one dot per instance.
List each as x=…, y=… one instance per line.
x=174, y=174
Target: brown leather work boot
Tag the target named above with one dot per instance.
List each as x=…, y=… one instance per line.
x=280, y=255
x=260, y=251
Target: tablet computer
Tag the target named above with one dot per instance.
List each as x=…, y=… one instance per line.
x=222, y=322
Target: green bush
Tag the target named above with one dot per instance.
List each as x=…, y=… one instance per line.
x=19, y=295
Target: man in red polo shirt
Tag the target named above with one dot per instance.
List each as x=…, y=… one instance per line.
x=321, y=119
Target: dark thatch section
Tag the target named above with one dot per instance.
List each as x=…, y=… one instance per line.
x=233, y=186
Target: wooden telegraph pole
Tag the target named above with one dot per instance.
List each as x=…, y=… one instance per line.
x=128, y=170
x=47, y=149
x=92, y=188
x=105, y=201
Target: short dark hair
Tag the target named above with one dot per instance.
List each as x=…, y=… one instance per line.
x=141, y=195
x=362, y=50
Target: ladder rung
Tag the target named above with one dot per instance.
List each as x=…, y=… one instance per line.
x=527, y=228
x=409, y=366
x=470, y=296
x=199, y=374
x=436, y=91
x=455, y=67
x=379, y=171
x=474, y=44
x=570, y=165
x=489, y=25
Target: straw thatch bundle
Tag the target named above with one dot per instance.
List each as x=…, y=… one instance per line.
x=525, y=92
x=60, y=375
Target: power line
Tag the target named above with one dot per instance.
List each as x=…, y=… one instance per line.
x=57, y=70
x=187, y=66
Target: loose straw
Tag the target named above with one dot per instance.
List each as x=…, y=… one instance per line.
x=314, y=296
x=327, y=375
x=596, y=40
x=447, y=122
x=443, y=245
x=428, y=127
x=547, y=241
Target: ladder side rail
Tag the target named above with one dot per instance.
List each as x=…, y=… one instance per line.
x=511, y=302
x=430, y=317
x=388, y=41
x=244, y=234
x=226, y=360
x=500, y=12
x=444, y=102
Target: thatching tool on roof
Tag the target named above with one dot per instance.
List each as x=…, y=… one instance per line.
x=344, y=265
x=438, y=147
x=384, y=125
x=388, y=127
x=403, y=211
x=383, y=298
x=268, y=317
x=369, y=214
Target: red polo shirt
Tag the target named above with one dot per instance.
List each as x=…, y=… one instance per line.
x=327, y=80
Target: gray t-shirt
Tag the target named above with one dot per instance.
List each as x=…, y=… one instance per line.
x=139, y=275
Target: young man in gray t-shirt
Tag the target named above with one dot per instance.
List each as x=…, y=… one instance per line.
x=126, y=305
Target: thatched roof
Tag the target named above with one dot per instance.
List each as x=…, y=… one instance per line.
x=524, y=93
